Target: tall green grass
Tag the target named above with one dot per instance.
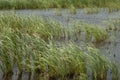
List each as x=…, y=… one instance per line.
x=33, y=4
x=27, y=42
x=113, y=25
x=52, y=30
x=49, y=61
x=33, y=25
x=92, y=33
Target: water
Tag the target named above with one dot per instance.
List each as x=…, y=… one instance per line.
x=68, y=18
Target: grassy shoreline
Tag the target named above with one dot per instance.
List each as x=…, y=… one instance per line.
x=42, y=4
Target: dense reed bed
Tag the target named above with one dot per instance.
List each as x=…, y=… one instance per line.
x=93, y=33
x=27, y=42
x=39, y=4
x=52, y=30
x=50, y=62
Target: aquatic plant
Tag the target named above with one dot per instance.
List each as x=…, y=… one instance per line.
x=71, y=62
x=93, y=33
x=28, y=42
x=15, y=48
x=72, y=9
x=33, y=25
x=113, y=7
x=98, y=65
x=113, y=25
x=48, y=29
x=6, y=54
x=91, y=10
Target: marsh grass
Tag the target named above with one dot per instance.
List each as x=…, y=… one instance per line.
x=15, y=48
x=27, y=42
x=6, y=62
x=113, y=25
x=93, y=33
x=72, y=9
x=91, y=10
x=114, y=7
x=52, y=30
x=39, y=4
x=33, y=25
x=70, y=62
x=113, y=30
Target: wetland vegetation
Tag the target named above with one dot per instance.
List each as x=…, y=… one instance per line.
x=40, y=4
x=46, y=49
x=29, y=43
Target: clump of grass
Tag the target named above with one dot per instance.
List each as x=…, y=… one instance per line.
x=114, y=7
x=33, y=25
x=73, y=9
x=6, y=60
x=100, y=72
x=71, y=61
x=15, y=48
x=91, y=10
x=93, y=33
x=113, y=25
x=97, y=34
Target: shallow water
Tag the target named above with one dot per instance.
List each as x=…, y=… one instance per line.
x=68, y=18
x=110, y=50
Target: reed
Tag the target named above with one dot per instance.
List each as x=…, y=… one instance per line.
x=33, y=25
x=113, y=25
x=48, y=29
x=93, y=33
x=93, y=10
x=28, y=42
x=71, y=61
x=72, y=9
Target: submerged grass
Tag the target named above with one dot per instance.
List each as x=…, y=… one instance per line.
x=33, y=4
x=28, y=43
